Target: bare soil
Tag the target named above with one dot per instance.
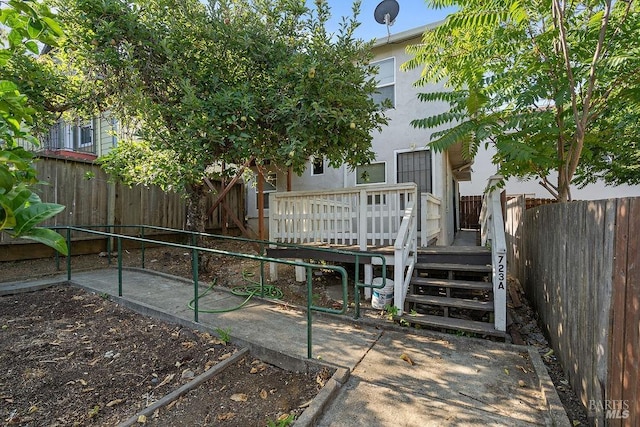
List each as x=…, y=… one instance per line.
x=38, y=401
x=72, y=358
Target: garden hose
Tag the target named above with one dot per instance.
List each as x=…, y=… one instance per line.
x=248, y=291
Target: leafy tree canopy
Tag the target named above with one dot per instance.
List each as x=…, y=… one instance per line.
x=231, y=82
x=24, y=24
x=553, y=85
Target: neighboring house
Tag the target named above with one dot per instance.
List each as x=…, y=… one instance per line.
x=402, y=153
x=483, y=168
x=80, y=139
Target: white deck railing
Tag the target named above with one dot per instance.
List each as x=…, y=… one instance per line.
x=492, y=233
x=382, y=215
x=405, y=255
x=431, y=221
x=363, y=216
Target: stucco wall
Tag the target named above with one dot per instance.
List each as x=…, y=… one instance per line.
x=483, y=169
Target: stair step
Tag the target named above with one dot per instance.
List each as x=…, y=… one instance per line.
x=455, y=250
x=455, y=254
x=450, y=302
x=455, y=284
x=482, y=328
x=453, y=267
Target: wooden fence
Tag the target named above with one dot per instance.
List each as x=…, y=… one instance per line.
x=579, y=265
x=90, y=199
x=470, y=207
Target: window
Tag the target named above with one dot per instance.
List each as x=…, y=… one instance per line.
x=76, y=136
x=270, y=186
x=86, y=135
x=386, y=79
x=374, y=173
x=317, y=166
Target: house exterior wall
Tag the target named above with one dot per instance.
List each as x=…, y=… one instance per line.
x=106, y=138
x=397, y=137
x=483, y=168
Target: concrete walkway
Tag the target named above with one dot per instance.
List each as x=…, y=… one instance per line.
x=397, y=378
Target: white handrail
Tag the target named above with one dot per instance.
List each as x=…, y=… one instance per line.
x=492, y=232
x=405, y=250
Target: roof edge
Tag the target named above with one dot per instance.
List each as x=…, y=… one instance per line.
x=405, y=35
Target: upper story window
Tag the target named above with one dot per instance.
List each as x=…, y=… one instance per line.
x=317, y=166
x=83, y=134
x=386, y=79
x=77, y=136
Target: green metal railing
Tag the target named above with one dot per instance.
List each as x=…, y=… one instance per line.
x=195, y=266
x=261, y=244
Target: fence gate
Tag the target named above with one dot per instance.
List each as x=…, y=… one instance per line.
x=470, y=207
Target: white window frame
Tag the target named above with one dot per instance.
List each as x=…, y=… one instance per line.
x=371, y=183
x=393, y=83
x=313, y=162
x=81, y=126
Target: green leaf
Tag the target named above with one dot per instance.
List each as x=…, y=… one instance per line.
x=32, y=46
x=7, y=180
x=19, y=196
x=8, y=86
x=15, y=38
x=53, y=25
x=30, y=216
x=7, y=218
x=48, y=237
x=23, y=7
x=35, y=28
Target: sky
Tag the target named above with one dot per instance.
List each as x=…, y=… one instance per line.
x=412, y=14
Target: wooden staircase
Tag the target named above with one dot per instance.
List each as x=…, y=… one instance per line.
x=451, y=290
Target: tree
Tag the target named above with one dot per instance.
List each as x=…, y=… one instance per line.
x=553, y=85
x=21, y=210
x=236, y=82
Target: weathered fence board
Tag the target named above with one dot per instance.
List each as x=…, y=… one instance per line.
x=470, y=207
x=624, y=382
x=579, y=267
x=90, y=199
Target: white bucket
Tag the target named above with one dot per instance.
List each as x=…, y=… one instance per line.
x=382, y=296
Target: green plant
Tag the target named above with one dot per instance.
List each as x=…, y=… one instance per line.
x=579, y=104
x=104, y=295
x=464, y=334
x=404, y=323
x=391, y=311
x=315, y=299
x=284, y=88
x=224, y=335
x=281, y=422
x=413, y=313
x=24, y=23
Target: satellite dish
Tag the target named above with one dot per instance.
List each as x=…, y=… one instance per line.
x=386, y=12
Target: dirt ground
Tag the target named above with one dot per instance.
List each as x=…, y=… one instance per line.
x=286, y=393
x=72, y=358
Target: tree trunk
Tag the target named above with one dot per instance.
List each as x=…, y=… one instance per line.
x=196, y=208
x=196, y=221
x=563, y=186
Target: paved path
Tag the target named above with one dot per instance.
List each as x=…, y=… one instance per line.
x=452, y=381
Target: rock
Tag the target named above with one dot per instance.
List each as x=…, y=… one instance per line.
x=187, y=374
